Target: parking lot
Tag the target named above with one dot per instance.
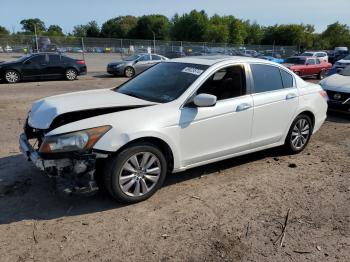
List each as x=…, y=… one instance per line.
x=232, y=210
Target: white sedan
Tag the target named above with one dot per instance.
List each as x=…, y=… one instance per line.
x=179, y=114
x=337, y=87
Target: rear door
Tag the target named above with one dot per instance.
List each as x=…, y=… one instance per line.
x=55, y=67
x=275, y=100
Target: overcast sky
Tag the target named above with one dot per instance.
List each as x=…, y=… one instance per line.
x=68, y=13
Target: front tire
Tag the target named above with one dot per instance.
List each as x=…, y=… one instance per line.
x=136, y=173
x=129, y=72
x=12, y=76
x=71, y=74
x=299, y=134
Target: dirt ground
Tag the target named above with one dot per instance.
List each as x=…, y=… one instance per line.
x=233, y=210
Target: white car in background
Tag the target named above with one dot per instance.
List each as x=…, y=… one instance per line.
x=177, y=115
x=323, y=56
x=337, y=87
x=8, y=49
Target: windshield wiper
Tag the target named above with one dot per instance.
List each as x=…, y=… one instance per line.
x=134, y=95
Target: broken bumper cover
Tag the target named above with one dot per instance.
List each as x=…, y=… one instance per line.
x=79, y=169
x=30, y=153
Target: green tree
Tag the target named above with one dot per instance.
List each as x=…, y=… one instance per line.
x=336, y=34
x=190, y=27
x=237, y=29
x=28, y=25
x=217, y=31
x=55, y=30
x=92, y=29
x=79, y=31
x=119, y=27
x=149, y=24
x=4, y=31
x=255, y=33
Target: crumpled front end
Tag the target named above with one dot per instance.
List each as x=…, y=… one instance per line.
x=76, y=168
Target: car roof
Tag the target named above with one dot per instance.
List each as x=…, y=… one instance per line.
x=211, y=60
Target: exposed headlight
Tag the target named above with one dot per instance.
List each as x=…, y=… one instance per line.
x=75, y=141
x=119, y=65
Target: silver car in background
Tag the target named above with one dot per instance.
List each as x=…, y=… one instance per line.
x=134, y=64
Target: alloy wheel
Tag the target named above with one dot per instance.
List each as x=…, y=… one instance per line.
x=12, y=77
x=129, y=72
x=300, y=134
x=140, y=174
x=71, y=74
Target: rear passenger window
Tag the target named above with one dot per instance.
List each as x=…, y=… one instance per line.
x=155, y=57
x=287, y=79
x=266, y=78
x=54, y=59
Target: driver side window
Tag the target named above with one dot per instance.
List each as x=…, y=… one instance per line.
x=225, y=83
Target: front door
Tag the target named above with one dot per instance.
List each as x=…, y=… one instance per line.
x=34, y=67
x=221, y=130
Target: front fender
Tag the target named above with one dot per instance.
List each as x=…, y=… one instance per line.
x=112, y=141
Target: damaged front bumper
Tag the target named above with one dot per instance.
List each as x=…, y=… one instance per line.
x=78, y=170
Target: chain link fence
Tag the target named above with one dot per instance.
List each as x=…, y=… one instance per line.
x=98, y=52
x=29, y=44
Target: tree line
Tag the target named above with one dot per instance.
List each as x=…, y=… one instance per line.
x=197, y=26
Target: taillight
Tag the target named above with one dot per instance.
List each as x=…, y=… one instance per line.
x=324, y=95
x=81, y=62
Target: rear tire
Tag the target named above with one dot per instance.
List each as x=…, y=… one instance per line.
x=299, y=134
x=136, y=173
x=71, y=74
x=12, y=76
x=321, y=75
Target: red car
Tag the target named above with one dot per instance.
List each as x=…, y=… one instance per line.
x=308, y=66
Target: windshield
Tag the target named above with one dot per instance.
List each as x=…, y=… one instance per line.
x=295, y=60
x=132, y=57
x=22, y=58
x=307, y=54
x=163, y=82
x=345, y=71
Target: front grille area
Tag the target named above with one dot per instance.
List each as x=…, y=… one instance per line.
x=338, y=97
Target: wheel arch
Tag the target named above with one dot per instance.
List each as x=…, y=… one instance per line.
x=12, y=69
x=309, y=114
x=160, y=143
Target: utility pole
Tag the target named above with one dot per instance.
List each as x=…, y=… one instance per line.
x=154, y=42
x=82, y=44
x=36, y=39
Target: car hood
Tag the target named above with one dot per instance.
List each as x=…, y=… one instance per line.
x=288, y=65
x=336, y=82
x=343, y=61
x=80, y=105
x=119, y=62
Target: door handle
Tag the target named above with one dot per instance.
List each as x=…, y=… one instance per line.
x=243, y=106
x=291, y=96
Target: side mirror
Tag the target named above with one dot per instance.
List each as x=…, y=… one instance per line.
x=28, y=62
x=204, y=100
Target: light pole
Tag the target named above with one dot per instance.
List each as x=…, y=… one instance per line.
x=36, y=39
x=154, y=42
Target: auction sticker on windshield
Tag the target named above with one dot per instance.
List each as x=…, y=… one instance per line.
x=192, y=70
